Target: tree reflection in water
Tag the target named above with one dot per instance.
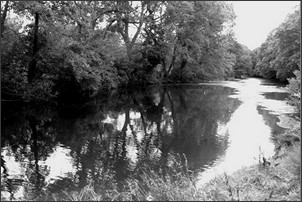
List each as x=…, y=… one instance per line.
x=110, y=140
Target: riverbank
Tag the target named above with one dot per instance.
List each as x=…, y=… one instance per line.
x=272, y=179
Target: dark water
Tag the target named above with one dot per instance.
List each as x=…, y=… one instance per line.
x=46, y=150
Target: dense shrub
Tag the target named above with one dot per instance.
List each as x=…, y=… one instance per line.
x=295, y=90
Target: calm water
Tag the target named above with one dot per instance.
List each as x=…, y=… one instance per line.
x=219, y=126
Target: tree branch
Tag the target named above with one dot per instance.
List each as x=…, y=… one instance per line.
x=141, y=22
x=107, y=28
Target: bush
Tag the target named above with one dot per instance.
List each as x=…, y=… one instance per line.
x=87, y=70
x=294, y=87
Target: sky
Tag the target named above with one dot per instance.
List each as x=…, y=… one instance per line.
x=256, y=19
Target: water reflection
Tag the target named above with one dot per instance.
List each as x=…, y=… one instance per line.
x=47, y=150
x=249, y=136
x=251, y=126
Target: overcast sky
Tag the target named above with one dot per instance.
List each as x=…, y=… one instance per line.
x=256, y=19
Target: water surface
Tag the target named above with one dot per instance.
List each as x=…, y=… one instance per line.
x=218, y=126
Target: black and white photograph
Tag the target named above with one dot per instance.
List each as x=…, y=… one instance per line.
x=150, y=100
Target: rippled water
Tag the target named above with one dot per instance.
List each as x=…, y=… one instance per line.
x=219, y=126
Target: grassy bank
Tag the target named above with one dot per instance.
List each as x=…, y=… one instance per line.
x=273, y=179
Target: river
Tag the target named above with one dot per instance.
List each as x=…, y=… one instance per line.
x=216, y=126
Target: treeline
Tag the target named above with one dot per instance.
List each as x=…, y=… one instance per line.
x=279, y=56
x=79, y=48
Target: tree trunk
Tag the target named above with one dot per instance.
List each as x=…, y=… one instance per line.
x=32, y=72
x=172, y=62
x=3, y=16
x=183, y=64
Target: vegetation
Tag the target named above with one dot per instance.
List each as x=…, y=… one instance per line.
x=78, y=49
x=82, y=48
x=244, y=61
x=279, y=56
x=294, y=87
x=71, y=51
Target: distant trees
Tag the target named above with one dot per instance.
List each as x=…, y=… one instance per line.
x=279, y=56
x=244, y=60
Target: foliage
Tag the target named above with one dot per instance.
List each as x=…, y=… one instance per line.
x=279, y=56
x=61, y=59
x=13, y=70
x=15, y=58
x=83, y=48
x=288, y=35
x=243, y=64
x=294, y=87
x=90, y=70
x=198, y=40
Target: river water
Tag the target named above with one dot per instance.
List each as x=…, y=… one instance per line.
x=218, y=127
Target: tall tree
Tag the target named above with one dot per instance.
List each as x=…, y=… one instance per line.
x=36, y=9
x=128, y=16
x=196, y=30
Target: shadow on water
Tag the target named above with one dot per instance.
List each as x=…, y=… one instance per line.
x=270, y=120
x=47, y=150
x=276, y=96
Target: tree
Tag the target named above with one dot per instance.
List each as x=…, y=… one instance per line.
x=86, y=15
x=288, y=46
x=35, y=9
x=243, y=65
x=83, y=47
x=126, y=15
x=196, y=34
x=279, y=56
x=57, y=57
x=266, y=55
